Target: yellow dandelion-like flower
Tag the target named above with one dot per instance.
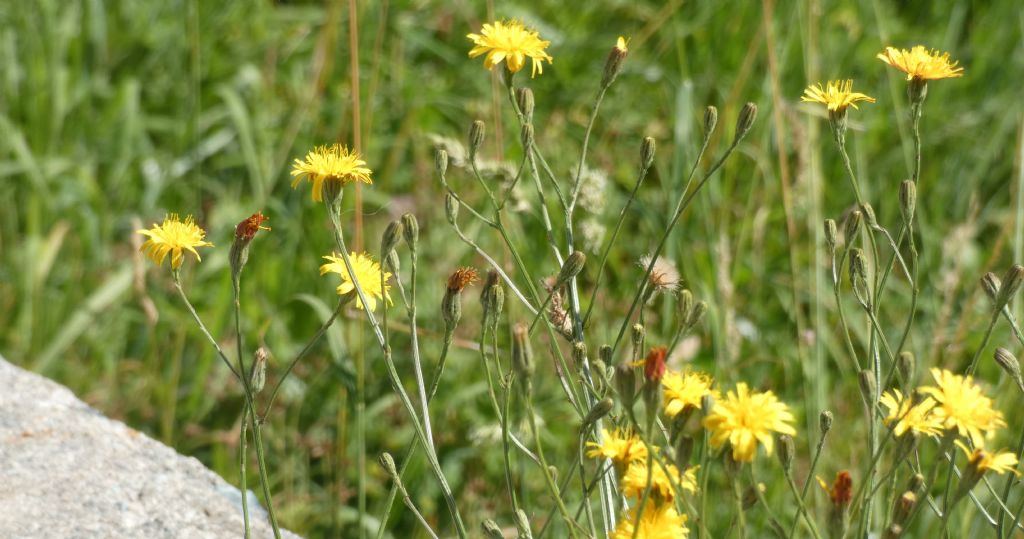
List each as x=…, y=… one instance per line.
x=658, y=521
x=744, y=418
x=920, y=63
x=622, y=446
x=963, y=406
x=983, y=461
x=836, y=95
x=685, y=390
x=173, y=237
x=367, y=273
x=917, y=419
x=511, y=42
x=663, y=483
x=334, y=163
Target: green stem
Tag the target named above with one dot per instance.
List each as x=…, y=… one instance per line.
x=570, y=524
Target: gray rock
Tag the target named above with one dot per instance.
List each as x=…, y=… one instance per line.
x=66, y=471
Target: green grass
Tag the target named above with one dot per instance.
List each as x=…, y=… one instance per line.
x=114, y=112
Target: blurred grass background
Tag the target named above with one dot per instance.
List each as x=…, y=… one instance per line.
x=114, y=112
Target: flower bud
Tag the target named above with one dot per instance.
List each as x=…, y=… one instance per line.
x=654, y=364
x=605, y=354
x=388, y=463
x=244, y=234
x=906, y=365
x=491, y=530
x=647, y=149
x=451, y=303
x=852, y=226
x=526, y=136
x=894, y=531
x=572, y=266
x=831, y=232
x=908, y=200
x=625, y=384
x=476, y=137
x=637, y=337
x=825, y=419
x=710, y=120
x=492, y=299
x=786, y=452
x=1011, y=283
x=745, y=121
x=697, y=314
x=522, y=354
x=684, y=450
x=598, y=411
x=441, y=162
x=410, y=230
x=858, y=277
x=601, y=369
x=524, y=98
x=258, y=377
x=579, y=353
x=1009, y=363
x=868, y=388
x=523, y=525
x=869, y=215
x=903, y=508
x=389, y=240
x=684, y=306
x=613, y=65
x=451, y=208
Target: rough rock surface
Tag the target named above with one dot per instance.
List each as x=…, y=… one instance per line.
x=66, y=471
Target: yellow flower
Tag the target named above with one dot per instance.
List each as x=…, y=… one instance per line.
x=334, y=163
x=685, y=390
x=663, y=483
x=918, y=419
x=367, y=273
x=836, y=95
x=983, y=461
x=920, y=63
x=963, y=406
x=622, y=44
x=622, y=446
x=511, y=42
x=173, y=236
x=659, y=521
x=745, y=418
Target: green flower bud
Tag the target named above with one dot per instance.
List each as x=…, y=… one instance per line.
x=825, y=422
x=831, y=233
x=1011, y=284
x=451, y=208
x=647, y=149
x=908, y=200
x=710, y=120
x=411, y=230
x=745, y=121
x=476, y=138
x=441, y=162
x=524, y=98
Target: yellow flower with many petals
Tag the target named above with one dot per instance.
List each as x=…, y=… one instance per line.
x=962, y=406
x=836, y=95
x=685, y=390
x=334, y=163
x=915, y=418
x=367, y=274
x=622, y=446
x=983, y=461
x=663, y=483
x=510, y=42
x=658, y=521
x=173, y=237
x=920, y=63
x=745, y=418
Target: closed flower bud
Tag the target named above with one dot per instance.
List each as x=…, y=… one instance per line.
x=908, y=200
x=990, y=283
x=389, y=240
x=605, y=354
x=572, y=266
x=410, y=230
x=526, y=136
x=476, y=137
x=523, y=525
x=710, y=120
x=637, y=337
x=579, y=353
x=825, y=422
x=259, y=370
x=491, y=530
x=1011, y=283
x=869, y=215
x=858, y=277
x=625, y=384
x=852, y=226
x=522, y=354
x=697, y=314
x=647, y=149
x=745, y=121
x=868, y=388
x=524, y=98
x=831, y=233
x=601, y=368
x=916, y=484
x=684, y=306
x=903, y=507
x=906, y=365
x=492, y=299
x=1009, y=363
x=388, y=463
x=451, y=208
x=613, y=65
x=441, y=162
x=786, y=452
x=598, y=411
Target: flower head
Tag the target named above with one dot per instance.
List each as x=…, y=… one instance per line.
x=836, y=95
x=983, y=461
x=247, y=229
x=367, y=273
x=841, y=491
x=915, y=418
x=744, y=418
x=685, y=390
x=462, y=278
x=920, y=63
x=511, y=42
x=173, y=237
x=962, y=406
x=664, y=275
x=621, y=446
x=622, y=44
x=334, y=163
x=663, y=483
x=658, y=521
x=654, y=364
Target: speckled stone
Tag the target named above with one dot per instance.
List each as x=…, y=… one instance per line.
x=66, y=471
